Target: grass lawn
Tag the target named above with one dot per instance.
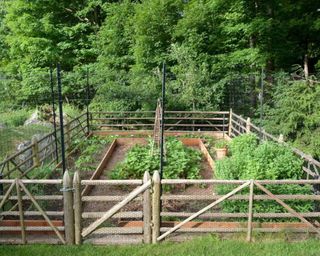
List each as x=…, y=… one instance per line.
x=202, y=246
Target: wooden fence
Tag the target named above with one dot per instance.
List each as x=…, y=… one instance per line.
x=144, y=214
x=42, y=151
x=174, y=120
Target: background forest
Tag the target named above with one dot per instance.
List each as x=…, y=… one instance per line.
x=215, y=52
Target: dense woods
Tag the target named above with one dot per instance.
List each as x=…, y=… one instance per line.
x=215, y=52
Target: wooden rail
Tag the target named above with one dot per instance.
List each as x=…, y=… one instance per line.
x=150, y=222
x=42, y=151
x=175, y=120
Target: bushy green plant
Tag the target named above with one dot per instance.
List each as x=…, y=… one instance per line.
x=180, y=162
x=221, y=144
x=15, y=118
x=267, y=160
x=88, y=150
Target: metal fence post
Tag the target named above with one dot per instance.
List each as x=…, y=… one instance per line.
x=146, y=211
x=156, y=206
x=77, y=207
x=68, y=208
x=35, y=152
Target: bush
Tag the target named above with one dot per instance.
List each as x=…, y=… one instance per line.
x=15, y=118
x=89, y=148
x=267, y=160
x=181, y=161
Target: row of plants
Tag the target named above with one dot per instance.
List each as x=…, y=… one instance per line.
x=251, y=159
x=180, y=161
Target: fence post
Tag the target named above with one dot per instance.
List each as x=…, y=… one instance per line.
x=68, y=134
x=20, y=206
x=156, y=207
x=68, y=208
x=230, y=123
x=35, y=152
x=248, y=125
x=77, y=207
x=281, y=139
x=250, y=212
x=146, y=211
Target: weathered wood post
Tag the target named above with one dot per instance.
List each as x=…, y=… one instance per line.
x=35, y=152
x=156, y=207
x=20, y=206
x=146, y=211
x=68, y=208
x=248, y=125
x=250, y=212
x=77, y=208
x=230, y=123
x=68, y=134
x=281, y=139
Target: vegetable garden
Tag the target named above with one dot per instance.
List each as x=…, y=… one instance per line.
x=116, y=194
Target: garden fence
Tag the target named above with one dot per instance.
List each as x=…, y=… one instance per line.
x=145, y=214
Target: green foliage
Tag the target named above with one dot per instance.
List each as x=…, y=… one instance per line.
x=295, y=112
x=267, y=160
x=14, y=118
x=180, y=162
x=221, y=144
x=89, y=149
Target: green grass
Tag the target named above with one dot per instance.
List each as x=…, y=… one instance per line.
x=202, y=246
x=11, y=137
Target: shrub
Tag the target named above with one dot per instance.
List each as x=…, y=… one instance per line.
x=181, y=161
x=88, y=150
x=267, y=160
x=15, y=118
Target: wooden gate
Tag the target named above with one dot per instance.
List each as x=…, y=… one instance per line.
x=24, y=203
x=103, y=226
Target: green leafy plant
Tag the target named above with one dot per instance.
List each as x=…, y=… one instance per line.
x=221, y=144
x=88, y=150
x=180, y=162
x=253, y=160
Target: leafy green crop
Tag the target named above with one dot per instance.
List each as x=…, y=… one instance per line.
x=253, y=160
x=181, y=161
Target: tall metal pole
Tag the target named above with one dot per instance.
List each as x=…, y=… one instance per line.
x=61, y=119
x=261, y=102
x=54, y=114
x=162, y=119
x=88, y=99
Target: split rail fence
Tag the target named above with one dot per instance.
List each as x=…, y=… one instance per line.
x=43, y=151
x=228, y=123
x=153, y=218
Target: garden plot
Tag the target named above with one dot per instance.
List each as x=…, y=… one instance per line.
x=116, y=154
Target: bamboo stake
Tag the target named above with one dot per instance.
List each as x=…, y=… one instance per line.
x=203, y=210
x=77, y=207
x=250, y=213
x=23, y=231
x=146, y=211
x=45, y=216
